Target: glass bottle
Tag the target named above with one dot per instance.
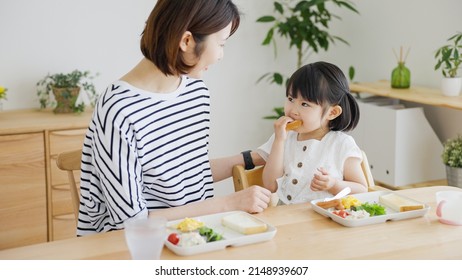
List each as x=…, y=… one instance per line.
x=401, y=76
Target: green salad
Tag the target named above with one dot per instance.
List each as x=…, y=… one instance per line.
x=373, y=209
x=209, y=234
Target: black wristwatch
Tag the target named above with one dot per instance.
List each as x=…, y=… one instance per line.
x=248, y=162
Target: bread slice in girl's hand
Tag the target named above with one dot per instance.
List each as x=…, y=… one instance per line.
x=243, y=223
x=294, y=125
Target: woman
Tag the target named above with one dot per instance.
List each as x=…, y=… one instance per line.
x=146, y=150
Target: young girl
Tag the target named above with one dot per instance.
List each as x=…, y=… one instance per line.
x=317, y=159
x=146, y=149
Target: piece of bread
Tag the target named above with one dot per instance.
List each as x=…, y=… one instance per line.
x=243, y=223
x=294, y=125
x=399, y=203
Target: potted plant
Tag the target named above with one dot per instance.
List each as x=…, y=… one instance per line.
x=3, y=91
x=306, y=25
x=452, y=158
x=66, y=89
x=449, y=59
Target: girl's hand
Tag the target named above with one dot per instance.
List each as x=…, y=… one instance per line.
x=280, y=124
x=322, y=181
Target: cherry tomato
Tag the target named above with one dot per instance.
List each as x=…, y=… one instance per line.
x=174, y=238
x=341, y=213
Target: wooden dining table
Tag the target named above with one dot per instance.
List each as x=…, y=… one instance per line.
x=301, y=234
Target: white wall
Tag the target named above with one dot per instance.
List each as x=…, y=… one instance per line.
x=42, y=36
x=384, y=25
x=49, y=36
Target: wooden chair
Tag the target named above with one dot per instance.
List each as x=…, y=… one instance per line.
x=367, y=172
x=70, y=162
x=244, y=178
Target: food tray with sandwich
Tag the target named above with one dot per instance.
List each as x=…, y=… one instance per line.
x=370, y=208
x=202, y=234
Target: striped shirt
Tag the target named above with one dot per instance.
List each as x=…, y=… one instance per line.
x=144, y=151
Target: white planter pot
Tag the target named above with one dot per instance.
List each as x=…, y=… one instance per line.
x=451, y=86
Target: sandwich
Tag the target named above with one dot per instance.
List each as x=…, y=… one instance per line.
x=243, y=223
x=399, y=203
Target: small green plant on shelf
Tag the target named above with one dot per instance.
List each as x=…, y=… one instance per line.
x=449, y=57
x=66, y=88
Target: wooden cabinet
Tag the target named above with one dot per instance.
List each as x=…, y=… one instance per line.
x=393, y=138
x=35, y=203
x=23, y=211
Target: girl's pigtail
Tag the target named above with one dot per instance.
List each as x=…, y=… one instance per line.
x=353, y=114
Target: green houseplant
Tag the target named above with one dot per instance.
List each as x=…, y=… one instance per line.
x=66, y=89
x=452, y=158
x=306, y=26
x=449, y=59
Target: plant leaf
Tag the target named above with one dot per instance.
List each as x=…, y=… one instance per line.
x=277, y=78
x=351, y=73
x=269, y=37
x=278, y=7
x=346, y=5
x=266, y=19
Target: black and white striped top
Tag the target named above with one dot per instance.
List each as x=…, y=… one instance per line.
x=144, y=151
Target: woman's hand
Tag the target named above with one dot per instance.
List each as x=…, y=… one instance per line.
x=253, y=199
x=322, y=181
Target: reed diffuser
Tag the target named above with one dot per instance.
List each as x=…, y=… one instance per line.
x=401, y=76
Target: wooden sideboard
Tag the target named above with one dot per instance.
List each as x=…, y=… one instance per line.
x=35, y=203
x=422, y=95
x=415, y=94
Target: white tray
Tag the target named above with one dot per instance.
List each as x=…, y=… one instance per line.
x=371, y=197
x=230, y=237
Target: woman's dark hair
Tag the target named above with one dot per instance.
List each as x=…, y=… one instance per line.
x=170, y=19
x=325, y=84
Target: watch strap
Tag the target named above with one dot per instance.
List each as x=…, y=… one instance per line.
x=248, y=162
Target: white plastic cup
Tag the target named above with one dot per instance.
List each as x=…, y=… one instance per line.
x=449, y=207
x=145, y=237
